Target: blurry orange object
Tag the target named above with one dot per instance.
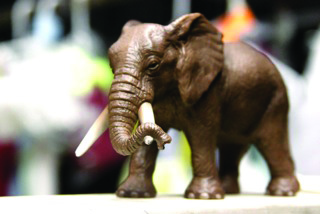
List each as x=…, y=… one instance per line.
x=236, y=23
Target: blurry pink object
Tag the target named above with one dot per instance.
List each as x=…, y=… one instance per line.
x=8, y=154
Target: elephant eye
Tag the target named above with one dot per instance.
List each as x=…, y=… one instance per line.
x=153, y=66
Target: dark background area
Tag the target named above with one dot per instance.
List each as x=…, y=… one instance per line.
x=108, y=16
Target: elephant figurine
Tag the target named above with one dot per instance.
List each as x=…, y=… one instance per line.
x=221, y=95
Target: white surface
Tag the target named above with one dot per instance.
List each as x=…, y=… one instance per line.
x=306, y=136
x=109, y=203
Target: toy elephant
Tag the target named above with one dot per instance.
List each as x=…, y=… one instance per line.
x=226, y=96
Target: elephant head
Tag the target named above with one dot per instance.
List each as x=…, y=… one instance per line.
x=148, y=60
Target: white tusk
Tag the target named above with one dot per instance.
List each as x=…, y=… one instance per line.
x=146, y=116
x=96, y=130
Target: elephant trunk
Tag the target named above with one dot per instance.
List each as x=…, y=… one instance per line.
x=123, y=110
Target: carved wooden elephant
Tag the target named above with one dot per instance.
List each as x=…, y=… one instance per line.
x=221, y=95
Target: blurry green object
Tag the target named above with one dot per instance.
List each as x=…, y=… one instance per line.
x=173, y=172
x=89, y=72
x=104, y=75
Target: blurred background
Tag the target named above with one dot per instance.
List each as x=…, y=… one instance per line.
x=55, y=76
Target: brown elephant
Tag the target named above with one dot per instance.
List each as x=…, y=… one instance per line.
x=225, y=96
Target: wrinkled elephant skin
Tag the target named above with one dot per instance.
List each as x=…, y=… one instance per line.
x=225, y=96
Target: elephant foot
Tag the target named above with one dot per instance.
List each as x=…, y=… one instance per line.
x=204, y=188
x=230, y=184
x=283, y=186
x=136, y=186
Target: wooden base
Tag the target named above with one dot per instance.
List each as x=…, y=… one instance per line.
x=109, y=203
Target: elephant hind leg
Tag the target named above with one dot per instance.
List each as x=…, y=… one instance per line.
x=229, y=160
x=274, y=147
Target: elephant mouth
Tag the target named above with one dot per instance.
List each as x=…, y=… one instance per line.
x=146, y=117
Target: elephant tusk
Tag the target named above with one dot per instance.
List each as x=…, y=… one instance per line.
x=96, y=130
x=146, y=116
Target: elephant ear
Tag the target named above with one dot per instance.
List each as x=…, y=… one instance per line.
x=201, y=54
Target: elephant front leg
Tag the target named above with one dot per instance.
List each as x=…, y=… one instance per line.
x=139, y=182
x=205, y=183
